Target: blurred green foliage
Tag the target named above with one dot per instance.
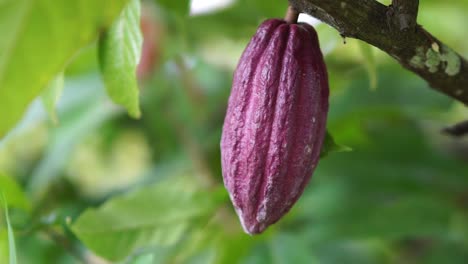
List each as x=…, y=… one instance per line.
x=101, y=187
x=38, y=40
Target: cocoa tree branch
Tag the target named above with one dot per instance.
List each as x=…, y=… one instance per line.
x=393, y=29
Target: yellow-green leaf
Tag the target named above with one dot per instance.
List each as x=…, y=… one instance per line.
x=38, y=38
x=157, y=215
x=51, y=95
x=330, y=146
x=11, y=235
x=3, y=245
x=14, y=193
x=119, y=54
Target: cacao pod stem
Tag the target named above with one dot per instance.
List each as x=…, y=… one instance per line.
x=291, y=15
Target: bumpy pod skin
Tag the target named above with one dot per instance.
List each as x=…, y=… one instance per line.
x=275, y=122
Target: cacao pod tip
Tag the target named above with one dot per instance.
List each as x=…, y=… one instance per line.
x=251, y=228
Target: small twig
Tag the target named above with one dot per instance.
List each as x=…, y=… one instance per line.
x=291, y=15
x=82, y=256
x=457, y=130
x=66, y=244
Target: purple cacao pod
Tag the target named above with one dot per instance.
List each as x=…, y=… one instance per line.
x=275, y=122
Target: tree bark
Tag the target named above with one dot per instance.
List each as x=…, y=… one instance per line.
x=394, y=30
x=404, y=13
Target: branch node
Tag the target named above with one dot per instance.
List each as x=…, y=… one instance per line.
x=344, y=38
x=402, y=14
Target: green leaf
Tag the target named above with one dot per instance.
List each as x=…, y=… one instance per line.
x=13, y=192
x=329, y=145
x=3, y=245
x=119, y=54
x=231, y=248
x=11, y=237
x=51, y=95
x=215, y=243
x=413, y=215
x=363, y=251
x=369, y=62
x=179, y=7
x=156, y=215
x=144, y=259
x=39, y=37
x=291, y=248
x=398, y=186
